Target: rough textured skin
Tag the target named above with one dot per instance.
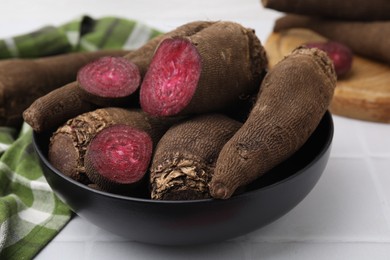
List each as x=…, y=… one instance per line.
x=24, y=80
x=185, y=157
x=344, y=10
x=232, y=64
x=53, y=109
x=369, y=39
x=38, y=115
x=69, y=143
x=293, y=98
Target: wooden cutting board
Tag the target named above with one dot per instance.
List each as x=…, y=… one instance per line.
x=364, y=93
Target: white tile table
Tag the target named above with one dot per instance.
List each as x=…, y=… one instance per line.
x=346, y=216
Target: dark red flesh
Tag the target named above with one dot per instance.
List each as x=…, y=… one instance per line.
x=172, y=78
x=340, y=54
x=109, y=77
x=120, y=153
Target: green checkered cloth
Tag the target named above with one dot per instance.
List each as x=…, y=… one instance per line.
x=30, y=213
x=84, y=34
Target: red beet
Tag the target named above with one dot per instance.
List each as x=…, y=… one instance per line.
x=109, y=78
x=205, y=72
x=340, y=54
x=118, y=157
x=176, y=64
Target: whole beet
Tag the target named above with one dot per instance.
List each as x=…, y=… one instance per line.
x=293, y=98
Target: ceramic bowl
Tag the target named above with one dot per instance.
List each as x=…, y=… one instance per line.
x=197, y=221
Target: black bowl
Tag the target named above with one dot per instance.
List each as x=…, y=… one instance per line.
x=197, y=221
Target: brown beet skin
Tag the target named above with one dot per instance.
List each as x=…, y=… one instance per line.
x=205, y=72
x=358, y=10
x=368, y=39
x=293, y=98
x=185, y=157
x=69, y=142
x=22, y=81
x=58, y=106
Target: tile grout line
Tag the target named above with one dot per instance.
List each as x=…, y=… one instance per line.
x=378, y=187
x=346, y=156
x=89, y=244
x=318, y=241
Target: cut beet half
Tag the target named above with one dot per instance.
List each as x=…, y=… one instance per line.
x=109, y=77
x=118, y=156
x=172, y=78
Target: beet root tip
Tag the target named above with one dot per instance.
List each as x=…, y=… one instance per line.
x=219, y=191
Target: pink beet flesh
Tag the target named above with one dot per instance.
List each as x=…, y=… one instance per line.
x=172, y=78
x=120, y=153
x=340, y=54
x=109, y=77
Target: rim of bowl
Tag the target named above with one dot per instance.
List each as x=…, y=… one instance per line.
x=326, y=145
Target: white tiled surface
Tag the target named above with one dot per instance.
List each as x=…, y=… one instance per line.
x=346, y=216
